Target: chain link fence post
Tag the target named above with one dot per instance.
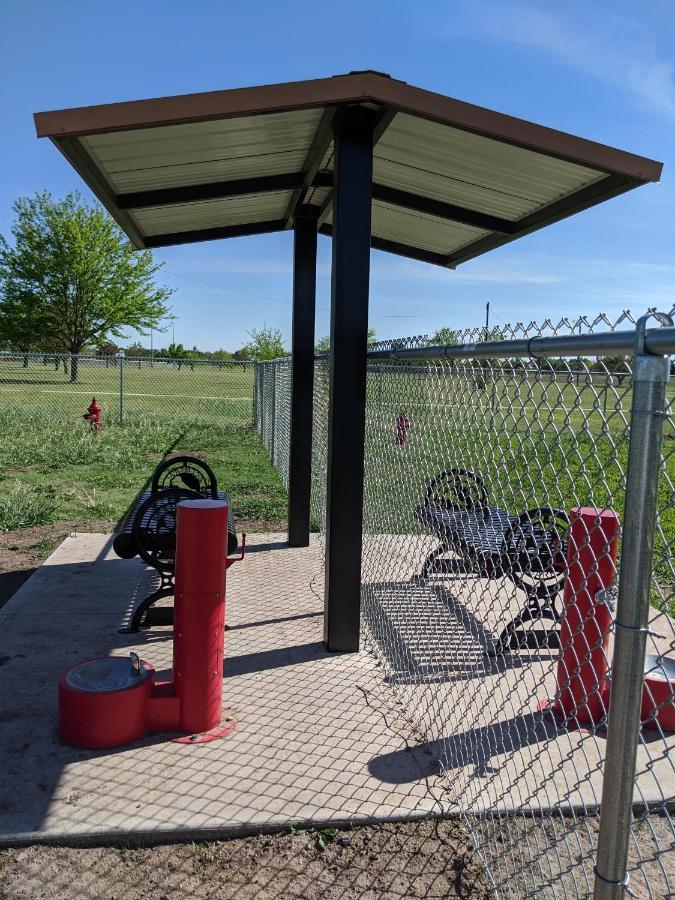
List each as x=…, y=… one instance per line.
x=120, y=359
x=273, y=428
x=650, y=377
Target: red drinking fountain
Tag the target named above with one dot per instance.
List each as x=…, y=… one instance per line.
x=110, y=701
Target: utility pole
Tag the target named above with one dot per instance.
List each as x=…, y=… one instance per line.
x=487, y=320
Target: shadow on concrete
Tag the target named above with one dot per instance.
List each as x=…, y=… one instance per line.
x=474, y=747
x=274, y=659
x=429, y=636
x=311, y=615
x=67, y=612
x=266, y=548
x=10, y=582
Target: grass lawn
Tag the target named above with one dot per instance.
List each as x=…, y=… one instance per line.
x=53, y=469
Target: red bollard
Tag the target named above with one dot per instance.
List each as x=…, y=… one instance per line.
x=199, y=612
x=587, y=619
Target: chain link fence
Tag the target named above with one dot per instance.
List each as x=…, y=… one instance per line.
x=128, y=388
x=494, y=494
x=272, y=411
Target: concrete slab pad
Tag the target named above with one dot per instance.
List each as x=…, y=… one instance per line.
x=480, y=715
x=320, y=737
x=310, y=723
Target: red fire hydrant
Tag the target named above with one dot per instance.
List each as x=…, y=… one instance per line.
x=402, y=426
x=93, y=415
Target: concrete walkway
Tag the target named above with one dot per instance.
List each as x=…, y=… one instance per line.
x=316, y=740
x=310, y=723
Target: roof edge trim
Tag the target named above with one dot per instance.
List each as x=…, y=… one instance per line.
x=356, y=88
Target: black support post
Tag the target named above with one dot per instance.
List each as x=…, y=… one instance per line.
x=353, y=175
x=304, y=296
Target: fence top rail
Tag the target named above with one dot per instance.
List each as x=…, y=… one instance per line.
x=659, y=341
x=50, y=355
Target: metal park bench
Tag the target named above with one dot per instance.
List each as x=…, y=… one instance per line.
x=485, y=541
x=148, y=529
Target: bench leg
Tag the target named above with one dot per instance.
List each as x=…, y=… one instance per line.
x=516, y=637
x=428, y=565
x=143, y=615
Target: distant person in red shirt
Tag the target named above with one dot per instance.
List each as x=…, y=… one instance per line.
x=402, y=426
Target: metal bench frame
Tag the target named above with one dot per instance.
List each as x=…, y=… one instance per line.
x=148, y=530
x=489, y=542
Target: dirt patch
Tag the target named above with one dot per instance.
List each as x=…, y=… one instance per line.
x=413, y=859
x=260, y=526
x=23, y=550
x=538, y=858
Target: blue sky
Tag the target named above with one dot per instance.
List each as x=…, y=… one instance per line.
x=603, y=70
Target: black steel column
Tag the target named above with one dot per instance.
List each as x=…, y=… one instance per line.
x=353, y=175
x=304, y=295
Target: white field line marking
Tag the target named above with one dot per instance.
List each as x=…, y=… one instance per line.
x=130, y=394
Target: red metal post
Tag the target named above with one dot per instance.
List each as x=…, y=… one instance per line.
x=587, y=619
x=199, y=612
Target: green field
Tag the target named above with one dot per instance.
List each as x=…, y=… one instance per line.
x=52, y=468
x=220, y=393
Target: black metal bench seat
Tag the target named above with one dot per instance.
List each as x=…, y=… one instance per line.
x=486, y=541
x=148, y=529
x=123, y=539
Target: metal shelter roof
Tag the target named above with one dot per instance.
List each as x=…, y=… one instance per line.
x=450, y=180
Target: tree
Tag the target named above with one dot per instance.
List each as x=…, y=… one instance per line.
x=72, y=277
x=265, y=343
x=444, y=336
x=619, y=366
x=135, y=350
x=323, y=344
x=110, y=348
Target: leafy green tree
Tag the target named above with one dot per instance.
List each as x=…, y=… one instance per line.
x=221, y=355
x=265, y=343
x=73, y=278
x=323, y=344
x=619, y=366
x=136, y=349
x=444, y=336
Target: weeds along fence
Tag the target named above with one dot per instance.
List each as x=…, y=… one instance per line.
x=60, y=386
x=477, y=454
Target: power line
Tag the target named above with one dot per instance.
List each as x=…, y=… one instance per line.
x=232, y=290
x=224, y=287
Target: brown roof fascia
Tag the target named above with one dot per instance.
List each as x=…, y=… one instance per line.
x=353, y=88
x=204, y=106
